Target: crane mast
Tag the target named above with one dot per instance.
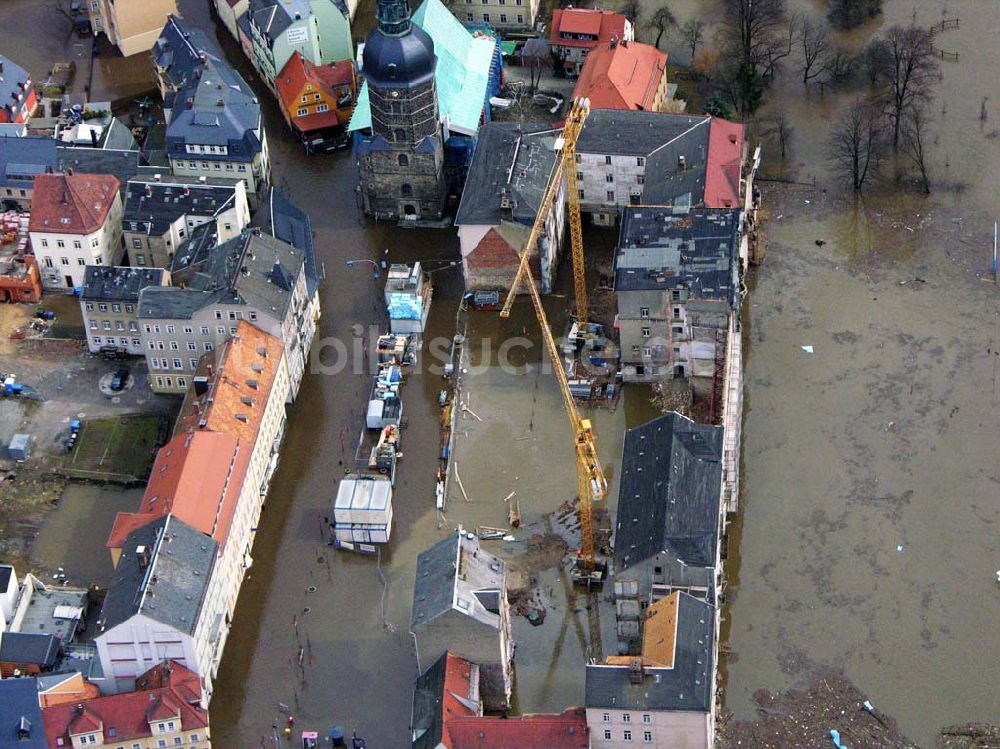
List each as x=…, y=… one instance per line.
x=592, y=484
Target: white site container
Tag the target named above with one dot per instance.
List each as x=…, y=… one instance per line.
x=362, y=511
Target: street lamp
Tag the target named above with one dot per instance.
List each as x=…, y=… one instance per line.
x=376, y=274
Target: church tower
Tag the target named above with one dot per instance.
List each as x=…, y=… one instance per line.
x=401, y=166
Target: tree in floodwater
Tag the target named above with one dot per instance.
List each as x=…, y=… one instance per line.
x=915, y=142
x=846, y=14
x=755, y=36
x=693, y=32
x=909, y=70
x=857, y=142
x=816, y=47
x=662, y=20
x=777, y=126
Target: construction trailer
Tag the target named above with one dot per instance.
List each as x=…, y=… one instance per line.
x=362, y=512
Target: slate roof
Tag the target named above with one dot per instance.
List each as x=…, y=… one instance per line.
x=14, y=86
x=669, y=492
x=177, y=52
x=171, y=587
x=518, y=159
x=462, y=73
x=659, y=248
x=72, y=203
x=284, y=220
x=635, y=133
x=29, y=647
x=623, y=76
x=439, y=588
x=436, y=699
x=272, y=17
x=121, y=164
x=687, y=686
x=22, y=159
x=253, y=269
x=153, y=206
x=20, y=716
x=118, y=283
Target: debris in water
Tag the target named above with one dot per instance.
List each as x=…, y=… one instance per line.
x=820, y=242
x=808, y=349
x=899, y=548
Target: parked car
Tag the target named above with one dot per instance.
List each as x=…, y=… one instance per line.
x=120, y=379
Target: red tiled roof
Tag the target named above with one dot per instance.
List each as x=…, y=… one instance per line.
x=127, y=713
x=170, y=674
x=71, y=203
x=725, y=158
x=298, y=71
x=316, y=121
x=565, y=730
x=197, y=476
x=625, y=76
x=605, y=24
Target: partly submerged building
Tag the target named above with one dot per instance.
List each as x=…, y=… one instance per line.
x=427, y=91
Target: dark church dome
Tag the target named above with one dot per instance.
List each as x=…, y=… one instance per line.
x=402, y=61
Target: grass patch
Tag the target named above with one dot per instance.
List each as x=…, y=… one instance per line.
x=119, y=445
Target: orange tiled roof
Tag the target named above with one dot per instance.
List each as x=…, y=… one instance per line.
x=241, y=373
x=298, y=71
x=71, y=203
x=623, y=76
x=604, y=24
x=565, y=730
x=725, y=159
x=197, y=476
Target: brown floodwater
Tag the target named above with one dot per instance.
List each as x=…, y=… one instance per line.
x=869, y=539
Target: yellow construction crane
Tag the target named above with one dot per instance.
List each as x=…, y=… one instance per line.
x=591, y=482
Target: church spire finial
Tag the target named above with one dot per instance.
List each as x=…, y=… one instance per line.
x=393, y=17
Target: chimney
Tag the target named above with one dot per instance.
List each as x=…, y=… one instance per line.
x=635, y=670
x=210, y=369
x=187, y=190
x=93, y=136
x=142, y=555
x=149, y=191
x=681, y=164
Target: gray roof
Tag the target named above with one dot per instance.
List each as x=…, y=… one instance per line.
x=29, y=647
x=14, y=84
x=20, y=715
x=685, y=687
x=660, y=248
x=151, y=206
x=426, y=717
x=439, y=588
x=170, y=587
x=121, y=164
x=118, y=283
x=271, y=19
x=217, y=109
x=23, y=158
x=281, y=218
x=254, y=269
x=180, y=51
x=512, y=161
x=670, y=492
x=635, y=133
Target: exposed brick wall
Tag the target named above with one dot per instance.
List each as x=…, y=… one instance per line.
x=493, y=263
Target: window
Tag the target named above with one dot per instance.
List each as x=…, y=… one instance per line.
x=640, y=180
x=98, y=339
x=253, y=315
x=406, y=190
x=188, y=329
x=647, y=737
x=64, y=260
x=128, y=308
x=178, y=364
x=140, y=259
x=675, y=295
x=677, y=313
x=520, y=18
x=205, y=330
x=93, y=324
x=90, y=306
x=644, y=312
x=137, y=243
x=116, y=308
x=193, y=363
x=647, y=351
x=119, y=325
x=647, y=718
x=627, y=735
x=221, y=330
x=503, y=16
x=102, y=307
x=606, y=717
x=486, y=16
x=607, y=735
x=45, y=243
x=640, y=161
x=611, y=196
x=136, y=342
x=581, y=194
x=645, y=334
x=179, y=739
x=468, y=16
x=60, y=243
x=76, y=244
x=48, y=262
x=322, y=107
x=173, y=346
x=302, y=111
x=81, y=261
x=607, y=160
x=626, y=718
x=609, y=178
x=192, y=346
x=678, y=330
x=208, y=346
x=232, y=330
x=635, y=349
x=194, y=737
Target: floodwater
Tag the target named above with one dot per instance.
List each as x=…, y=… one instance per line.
x=869, y=535
x=73, y=535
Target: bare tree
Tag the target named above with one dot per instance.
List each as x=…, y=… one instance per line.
x=754, y=35
x=777, y=125
x=632, y=9
x=693, y=32
x=856, y=143
x=816, y=46
x=783, y=45
x=909, y=69
x=840, y=67
x=662, y=20
x=914, y=144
